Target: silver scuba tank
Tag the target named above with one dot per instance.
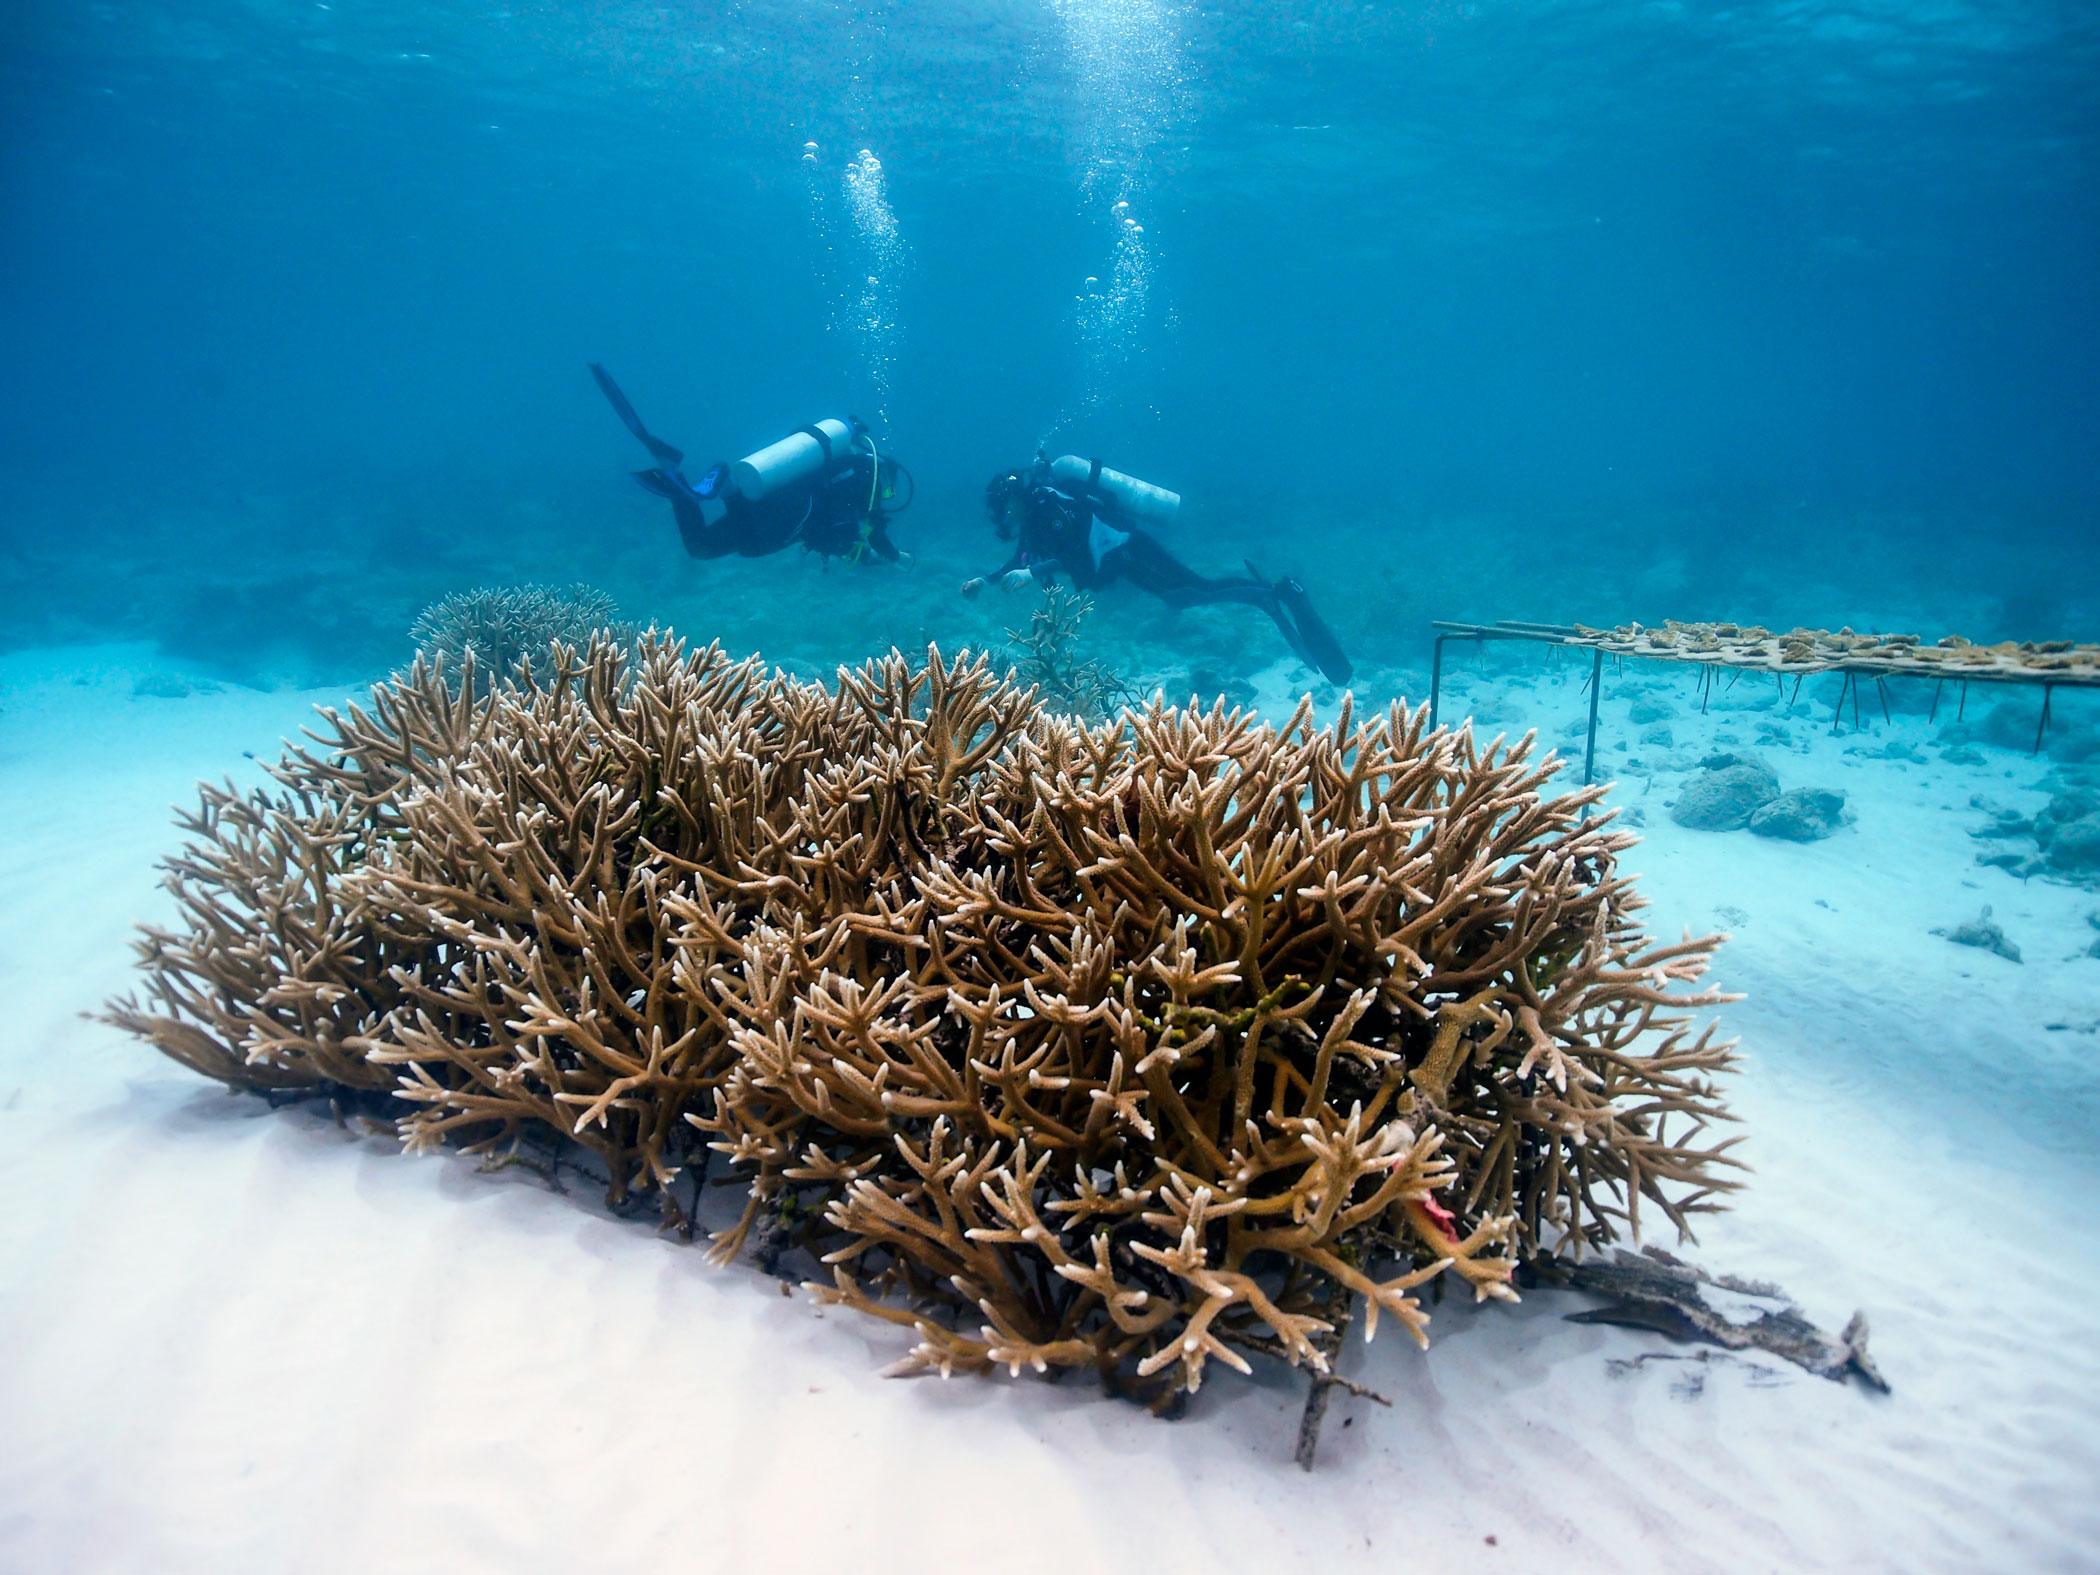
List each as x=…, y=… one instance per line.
x=1138, y=500
x=794, y=457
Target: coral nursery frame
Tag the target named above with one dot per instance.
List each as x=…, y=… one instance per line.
x=1801, y=654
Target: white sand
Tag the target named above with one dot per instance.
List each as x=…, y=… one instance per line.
x=242, y=1340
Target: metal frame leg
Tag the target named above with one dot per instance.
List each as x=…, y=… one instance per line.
x=1589, y=753
x=1837, y=717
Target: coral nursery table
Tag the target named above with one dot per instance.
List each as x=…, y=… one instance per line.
x=1798, y=653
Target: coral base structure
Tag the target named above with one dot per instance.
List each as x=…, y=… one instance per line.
x=1802, y=650
x=1128, y=1047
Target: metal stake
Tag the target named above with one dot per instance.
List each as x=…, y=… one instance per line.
x=1436, y=677
x=1589, y=753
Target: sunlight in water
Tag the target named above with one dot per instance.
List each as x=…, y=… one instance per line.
x=1124, y=57
x=861, y=263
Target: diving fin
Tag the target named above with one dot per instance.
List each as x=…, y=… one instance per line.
x=660, y=451
x=1315, y=639
x=1273, y=606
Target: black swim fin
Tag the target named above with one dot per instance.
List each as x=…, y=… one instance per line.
x=1272, y=604
x=660, y=451
x=1316, y=639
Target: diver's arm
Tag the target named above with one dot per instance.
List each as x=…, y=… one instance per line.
x=1017, y=564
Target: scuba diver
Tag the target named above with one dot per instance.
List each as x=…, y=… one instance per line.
x=1070, y=514
x=824, y=486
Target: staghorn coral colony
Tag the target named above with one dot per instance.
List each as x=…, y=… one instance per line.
x=498, y=626
x=1124, y=1047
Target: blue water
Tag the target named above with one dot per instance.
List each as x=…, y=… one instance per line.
x=1780, y=311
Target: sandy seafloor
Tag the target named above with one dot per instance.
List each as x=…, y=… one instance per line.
x=239, y=1339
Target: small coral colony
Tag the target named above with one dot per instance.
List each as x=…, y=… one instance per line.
x=1130, y=1046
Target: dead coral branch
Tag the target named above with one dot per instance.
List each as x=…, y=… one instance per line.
x=1127, y=1047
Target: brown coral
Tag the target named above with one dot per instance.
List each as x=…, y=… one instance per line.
x=1124, y=1047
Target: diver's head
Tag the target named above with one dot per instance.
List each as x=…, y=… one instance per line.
x=1005, y=502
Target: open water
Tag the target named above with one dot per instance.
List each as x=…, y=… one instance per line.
x=1774, y=311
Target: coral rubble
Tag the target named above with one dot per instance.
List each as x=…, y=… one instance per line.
x=1124, y=1047
x=1651, y=1289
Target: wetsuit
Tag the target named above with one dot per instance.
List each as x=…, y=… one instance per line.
x=839, y=512
x=1093, y=544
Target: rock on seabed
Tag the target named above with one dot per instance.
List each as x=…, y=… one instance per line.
x=1726, y=794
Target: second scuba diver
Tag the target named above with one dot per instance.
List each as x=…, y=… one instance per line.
x=1071, y=515
x=823, y=486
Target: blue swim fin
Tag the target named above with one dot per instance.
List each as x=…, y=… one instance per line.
x=660, y=451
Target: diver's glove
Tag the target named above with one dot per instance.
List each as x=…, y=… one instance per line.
x=971, y=587
x=1016, y=579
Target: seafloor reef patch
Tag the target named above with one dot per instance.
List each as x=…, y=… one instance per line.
x=1124, y=1047
x=1802, y=815
x=170, y=686
x=2015, y=723
x=2066, y=833
x=1983, y=932
x=1729, y=789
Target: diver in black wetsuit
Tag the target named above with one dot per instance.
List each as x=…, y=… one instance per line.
x=840, y=509
x=1083, y=532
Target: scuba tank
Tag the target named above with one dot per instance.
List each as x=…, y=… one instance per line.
x=800, y=454
x=1138, y=500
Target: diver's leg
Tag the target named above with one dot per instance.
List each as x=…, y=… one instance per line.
x=1149, y=566
x=701, y=539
